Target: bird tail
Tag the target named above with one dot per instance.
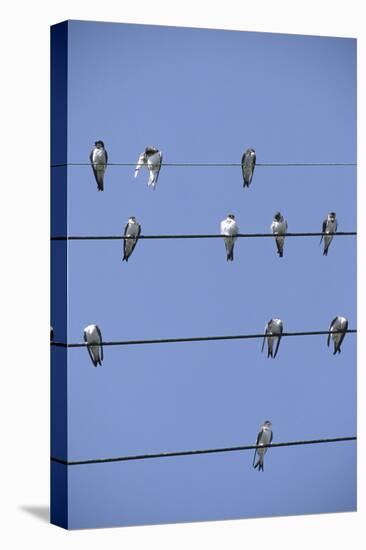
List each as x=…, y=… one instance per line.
x=279, y=244
x=264, y=341
x=259, y=464
x=277, y=346
x=229, y=245
x=326, y=246
x=337, y=348
x=100, y=181
x=152, y=179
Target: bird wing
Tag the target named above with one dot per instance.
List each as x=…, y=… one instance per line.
x=330, y=327
x=140, y=162
x=89, y=350
x=266, y=332
x=324, y=226
x=106, y=158
x=278, y=341
x=270, y=441
x=92, y=165
x=159, y=166
x=257, y=443
x=125, y=241
x=342, y=336
x=101, y=342
x=243, y=164
x=137, y=238
x=126, y=228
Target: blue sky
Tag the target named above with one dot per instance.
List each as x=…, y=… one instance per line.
x=205, y=96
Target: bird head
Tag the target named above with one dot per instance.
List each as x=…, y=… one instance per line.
x=278, y=216
x=150, y=150
x=230, y=217
x=267, y=424
x=332, y=216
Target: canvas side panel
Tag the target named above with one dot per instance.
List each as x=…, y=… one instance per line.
x=59, y=67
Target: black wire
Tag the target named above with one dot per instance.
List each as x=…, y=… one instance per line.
x=199, y=451
x=198, y=339
x=203, y=164
x=202, y=236
x=199, y=236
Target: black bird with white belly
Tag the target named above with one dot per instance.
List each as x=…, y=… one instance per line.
x=279, y=229
x=264, y=437
x=273, y=331
x=329, y=227
x=99, y=160
x=132, y=230
x=248, y=161
x=337, y=331
x=93, y=340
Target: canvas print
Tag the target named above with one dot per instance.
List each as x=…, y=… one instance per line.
x=203, y=277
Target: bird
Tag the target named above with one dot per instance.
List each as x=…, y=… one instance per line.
x=152, y=159
x=229, y=229
x=247, y=166
x=279, y=227
x=329, y=227
x=51, y=333
x=132, y=229
x=99, y=160
x=273, y=330
x=264, y=437
x=93, y=339
x=337, y=330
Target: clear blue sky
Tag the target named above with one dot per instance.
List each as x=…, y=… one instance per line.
x=205, y=96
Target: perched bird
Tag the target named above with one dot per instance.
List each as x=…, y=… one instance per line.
x=279, y=227
x=338, y=324
x=273, y=331
x=132, y=229
x=229, y=229
x=247, y=166
x=152, y=159
x=51, y=333
x=264, y=437
x=93, y=339
x=330, y=225
x=99, y=160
